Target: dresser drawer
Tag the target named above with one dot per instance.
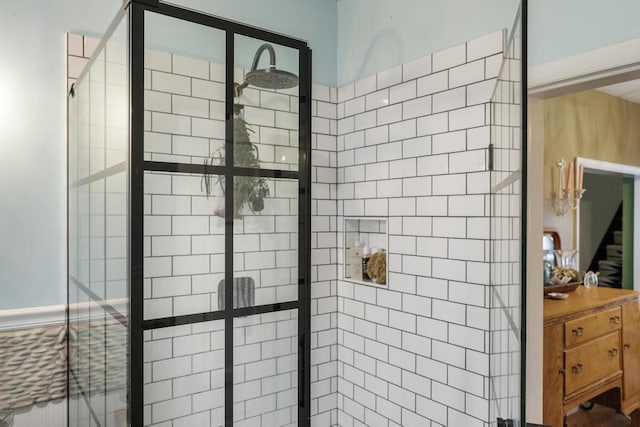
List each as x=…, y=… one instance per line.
x=591, y=361
x=586, y=328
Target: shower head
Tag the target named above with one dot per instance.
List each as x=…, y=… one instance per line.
x=270, y=77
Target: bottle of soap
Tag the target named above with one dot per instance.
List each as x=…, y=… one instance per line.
x=353, y=262
x=366, y=254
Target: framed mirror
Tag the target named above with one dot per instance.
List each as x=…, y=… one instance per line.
x=550, y=243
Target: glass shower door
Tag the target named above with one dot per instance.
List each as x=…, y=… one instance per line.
x=506, y=257
x=97, y=287
x=183, y=241
x=266, y=233
x=225, y=203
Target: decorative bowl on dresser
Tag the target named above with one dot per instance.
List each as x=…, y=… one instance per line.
x=568, y=287
x=592, y=353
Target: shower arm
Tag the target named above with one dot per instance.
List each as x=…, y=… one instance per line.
x=254, y=65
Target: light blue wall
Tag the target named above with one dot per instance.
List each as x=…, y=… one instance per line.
x=33, y=143
x=374, y=35
x=180, y=37
x=558, y=29
x=312, y=20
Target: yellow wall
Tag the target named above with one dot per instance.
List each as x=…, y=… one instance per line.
x=592, y=124
x=588, y=124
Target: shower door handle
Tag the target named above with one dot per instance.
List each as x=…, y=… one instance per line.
x=303, y=372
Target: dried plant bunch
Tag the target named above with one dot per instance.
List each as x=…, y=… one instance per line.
x=377, y=267
x=565, y=275
x=247, y=190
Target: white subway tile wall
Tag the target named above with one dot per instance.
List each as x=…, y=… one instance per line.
x=184, y=246
x=265, y=373
x=417, y=353
x=408, y=144
x=324, y=258
x=184, y=250
x=184, y=375
x=185, y=241
x=185, y=256
x=184, y=102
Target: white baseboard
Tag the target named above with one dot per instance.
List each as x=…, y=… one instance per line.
x=21, y=318
x=24, y=318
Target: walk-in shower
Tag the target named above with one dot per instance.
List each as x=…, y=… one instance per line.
x=189, y=181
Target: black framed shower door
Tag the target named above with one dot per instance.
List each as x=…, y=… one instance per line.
x=198, y=357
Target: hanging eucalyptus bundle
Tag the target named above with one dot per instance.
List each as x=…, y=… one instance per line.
x=247, y=190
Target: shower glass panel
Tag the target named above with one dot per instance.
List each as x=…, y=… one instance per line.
x=184, y=126
x=266, y=247
x=266, y=100
x=183, y=244
x=225, y=201
x=98, y=233
x=507, y=261
x=184, y=98
x=184, y=375
x=189, y=181
x=265, y=374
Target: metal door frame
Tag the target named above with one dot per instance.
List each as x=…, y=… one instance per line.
x=138, y=166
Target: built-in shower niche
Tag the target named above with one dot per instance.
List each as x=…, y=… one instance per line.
x=362, y=235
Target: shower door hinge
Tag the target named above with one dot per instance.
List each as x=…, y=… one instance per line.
x=505, y=423
x=490, y=154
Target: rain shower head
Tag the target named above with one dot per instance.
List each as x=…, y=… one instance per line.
x=270, y=77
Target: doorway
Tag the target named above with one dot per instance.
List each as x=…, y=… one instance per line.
x=567, y=76
x=606, y=227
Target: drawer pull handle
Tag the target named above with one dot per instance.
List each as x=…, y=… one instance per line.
x=627, y=346
x=577, y=332
x=577, y=368
x=613, y=352
x=615, y=320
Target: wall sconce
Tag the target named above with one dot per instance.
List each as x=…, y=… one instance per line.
x=567, y=198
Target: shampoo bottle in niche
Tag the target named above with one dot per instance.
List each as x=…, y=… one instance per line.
x=366, y=253
x=354, y=261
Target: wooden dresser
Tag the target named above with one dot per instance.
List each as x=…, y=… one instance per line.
x=592, y=352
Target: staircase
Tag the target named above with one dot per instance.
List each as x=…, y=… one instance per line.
x=608, y=257
x=611, y=267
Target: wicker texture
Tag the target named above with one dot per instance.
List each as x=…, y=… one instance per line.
x=33, y=366
x=98, y=356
